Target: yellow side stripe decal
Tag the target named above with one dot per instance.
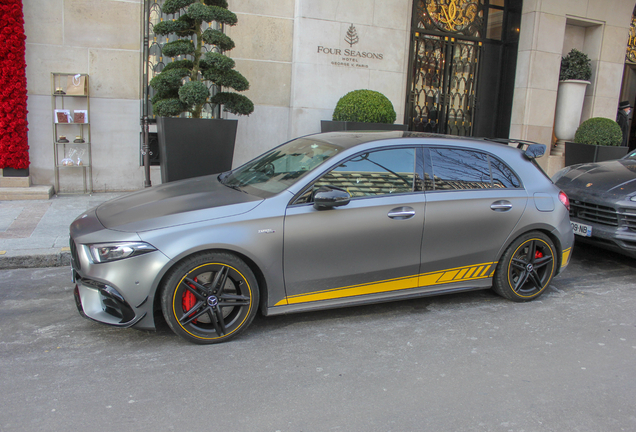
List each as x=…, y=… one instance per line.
x=565, y=257
x=479, y=271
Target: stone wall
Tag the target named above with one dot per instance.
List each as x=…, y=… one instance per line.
x=103, y=39
x=549, y=29
x=294, y=53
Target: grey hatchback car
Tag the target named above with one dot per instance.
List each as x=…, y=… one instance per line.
x=323, y=221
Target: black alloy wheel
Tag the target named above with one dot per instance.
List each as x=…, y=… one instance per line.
x=526, y=268
x=210, y=298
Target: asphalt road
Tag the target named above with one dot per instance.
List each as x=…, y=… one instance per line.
x=468, y=362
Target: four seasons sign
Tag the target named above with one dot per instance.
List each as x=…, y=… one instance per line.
x=350, y=57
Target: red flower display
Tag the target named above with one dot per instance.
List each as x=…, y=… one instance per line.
x=14, y=145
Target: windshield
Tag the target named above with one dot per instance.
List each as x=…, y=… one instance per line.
x=279, y=168
x=631, y=156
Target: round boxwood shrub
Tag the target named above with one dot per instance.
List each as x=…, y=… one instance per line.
x=365, y=106
x=599, y=131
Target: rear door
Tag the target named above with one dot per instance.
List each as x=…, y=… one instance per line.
x=473, y=202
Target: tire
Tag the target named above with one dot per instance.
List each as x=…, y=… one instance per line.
x=210, y=297
x=526, y=267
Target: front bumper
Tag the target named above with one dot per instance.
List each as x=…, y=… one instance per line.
x=104, y=304
x=118, y=293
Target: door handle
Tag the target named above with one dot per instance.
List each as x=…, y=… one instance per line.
x=402, y=213
x=501, y=206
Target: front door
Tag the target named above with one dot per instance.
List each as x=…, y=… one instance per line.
x=369, y=246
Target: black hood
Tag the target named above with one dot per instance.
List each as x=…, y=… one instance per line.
x=611, y=178
x=175, y=203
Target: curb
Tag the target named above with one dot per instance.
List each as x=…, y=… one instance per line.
x=35, y=258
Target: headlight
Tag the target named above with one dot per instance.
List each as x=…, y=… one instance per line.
x=105, y=252
x=632, y=198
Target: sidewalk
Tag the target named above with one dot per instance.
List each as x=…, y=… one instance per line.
x=34, y=233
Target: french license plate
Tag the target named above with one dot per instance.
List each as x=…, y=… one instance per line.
x=581, y=229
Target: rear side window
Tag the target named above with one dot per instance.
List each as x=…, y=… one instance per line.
x=463, y=169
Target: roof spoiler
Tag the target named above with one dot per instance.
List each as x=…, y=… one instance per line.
x=532, y=149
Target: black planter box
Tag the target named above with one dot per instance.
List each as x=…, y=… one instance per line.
x=576, y=153
x=334, y=126
x=15, y=172
x=194, y=147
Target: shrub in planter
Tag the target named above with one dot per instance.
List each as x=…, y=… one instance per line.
x=366, y=106
x=181, y=85
x=597, y=139
x=575, y=66
x=599, y=131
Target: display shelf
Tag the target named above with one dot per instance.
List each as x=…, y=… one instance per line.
x=70, y=102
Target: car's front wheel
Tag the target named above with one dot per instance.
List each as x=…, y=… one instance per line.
x=210, y=297
x=526, y=267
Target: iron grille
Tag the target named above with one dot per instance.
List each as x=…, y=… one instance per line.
x=628, y=220
x=593, y=213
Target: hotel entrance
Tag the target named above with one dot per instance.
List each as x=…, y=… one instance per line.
x=462, y=66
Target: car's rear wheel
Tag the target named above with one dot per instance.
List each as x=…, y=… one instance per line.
x=526, y=267
x=210, y=297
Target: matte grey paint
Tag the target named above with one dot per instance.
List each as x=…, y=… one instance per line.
x=181, y=219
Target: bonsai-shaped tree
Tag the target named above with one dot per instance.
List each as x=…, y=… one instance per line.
x=181, y=87
x=366, y=106
x=599, y=131
x=575, y=66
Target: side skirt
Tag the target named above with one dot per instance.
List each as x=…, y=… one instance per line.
x=374, y=298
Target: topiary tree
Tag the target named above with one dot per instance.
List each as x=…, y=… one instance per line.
x=365, y=106
x=575, y=66
x=181, y=87
x=599, y=131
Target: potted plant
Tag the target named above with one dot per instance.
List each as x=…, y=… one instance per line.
x=195, y=146
x=573, y=79
x=596, y=140
x=362, y=110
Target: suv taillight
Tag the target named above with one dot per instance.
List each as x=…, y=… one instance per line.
x=564, y=200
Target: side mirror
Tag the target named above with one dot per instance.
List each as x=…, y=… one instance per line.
x=327, y=197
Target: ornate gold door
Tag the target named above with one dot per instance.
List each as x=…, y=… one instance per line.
x=444, y=63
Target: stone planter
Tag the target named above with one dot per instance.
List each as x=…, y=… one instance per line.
x=569, y=106
x=334, y=126
x=194, y=147
x=576, y=153
x=15, y=172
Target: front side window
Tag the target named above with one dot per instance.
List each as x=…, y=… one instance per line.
x=378, y=173
x=462, y=169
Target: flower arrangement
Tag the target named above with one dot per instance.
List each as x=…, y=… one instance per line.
x=180, y=87
x=14, y=146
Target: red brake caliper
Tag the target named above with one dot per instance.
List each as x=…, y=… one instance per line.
x=538, y=255
x=188, y=300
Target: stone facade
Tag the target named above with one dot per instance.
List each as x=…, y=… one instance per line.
x=549, y=30
x=294, y=53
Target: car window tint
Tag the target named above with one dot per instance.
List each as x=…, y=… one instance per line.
x=383, y=172
x=461, y=169
x=502, y=175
